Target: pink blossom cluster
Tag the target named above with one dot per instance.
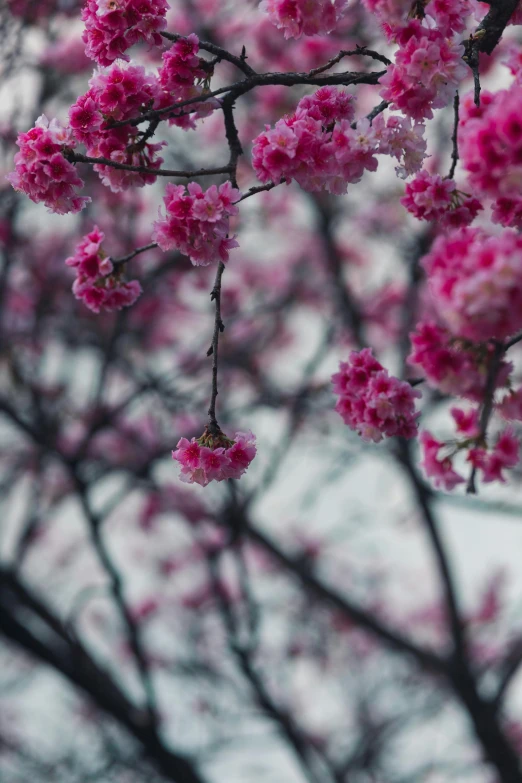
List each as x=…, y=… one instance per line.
x=118, y=93
x=320, y=148
x=511, y=405
x=302, y=17
x=197, y=222
x=113, y=26
x=316, y=145
x=180, y=76
x=475, y=283
x=214, y=457
x=452, y=365
x=449, y=15
x=490, y=463
x=490, y=147
x=41, y=170
x=97, y=283
x=427, y=69
x=372, y=402
x=434, y=198
x=401, y=138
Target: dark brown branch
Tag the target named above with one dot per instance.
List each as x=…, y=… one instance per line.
x=291, y=79
x=213, y=351
x=124, y=259
x=219, y=52
x=486, y=37
x=55, y=647
x=487, y=404
x=76, y=157
x=454, y=137
x=368, y=622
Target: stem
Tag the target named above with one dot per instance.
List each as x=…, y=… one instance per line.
x=124, y=259
x=215, y=295
x=487, y=406
x=454, y=138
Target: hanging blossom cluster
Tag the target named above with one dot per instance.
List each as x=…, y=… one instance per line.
x=372, y=402
x=183, y=76
x=197, y=222
x=434, y=198
x=318, y=147
x=451, y=364
x=490, y=146
x=476, y=293
x=449, y=15
x=123, y=92
x=118, y=93
x=475, y=283
x=437, y=460
x=42, y=172
x=427, y=69
x=304, y=17
x=98, y=285
x=214, y=457
x=113, y=26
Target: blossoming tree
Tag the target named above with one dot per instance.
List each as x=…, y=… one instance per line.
x=343, y=178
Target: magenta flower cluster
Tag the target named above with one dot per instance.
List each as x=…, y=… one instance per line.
x=427, y=69
x=302, y=17
x=42, y=172
x=475, y=283
x=119, y=93
x=197, y=222
x=372, y=402
x=453, y=365
x=437, y=456
x=97, y=284
x=490, y=146
x=113, y=26
x=214, y=457
x=434, y=198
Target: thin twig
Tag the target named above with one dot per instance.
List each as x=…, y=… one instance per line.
x=124, y=259
x=76, y=157
x=213, y=351
x=454, y=137
x=487, y=405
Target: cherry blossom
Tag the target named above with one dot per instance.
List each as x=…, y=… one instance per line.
x=41, y=170
x=113, y=26
x=214, y=457
x=197, y=222
x=372, y=402
x=98, y=284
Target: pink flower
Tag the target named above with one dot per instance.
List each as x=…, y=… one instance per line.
x=214, y=457
x=113, y=26
x=197, y=222
x=301, y=17
x=428, y=67
x=438, y=468
x=372, y=402
x=41, y=170
x=475, y=283
x=96, y=284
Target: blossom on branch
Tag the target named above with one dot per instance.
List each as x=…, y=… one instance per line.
x=197, y=222
x=372, y=402
x=113, y=26
x=304, y=17
x=42, y=172
x=214, y=457
x=97, y=283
